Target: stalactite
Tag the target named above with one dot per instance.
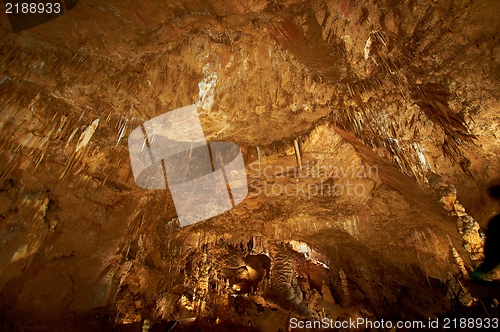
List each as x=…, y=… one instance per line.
x=122, y=126
x=297, y=153
x=343, y=283
x=259, y=157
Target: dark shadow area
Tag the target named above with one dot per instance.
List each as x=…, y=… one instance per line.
x=26, y=15
x=185, y=325
x=492, y=244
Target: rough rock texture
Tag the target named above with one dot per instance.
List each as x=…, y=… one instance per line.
x=393, y=106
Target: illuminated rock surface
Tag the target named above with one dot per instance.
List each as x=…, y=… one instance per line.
x=393, y=107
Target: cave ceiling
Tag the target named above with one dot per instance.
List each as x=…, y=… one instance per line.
x=395, y=103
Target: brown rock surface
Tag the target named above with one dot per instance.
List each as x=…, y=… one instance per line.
x=394, y=108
